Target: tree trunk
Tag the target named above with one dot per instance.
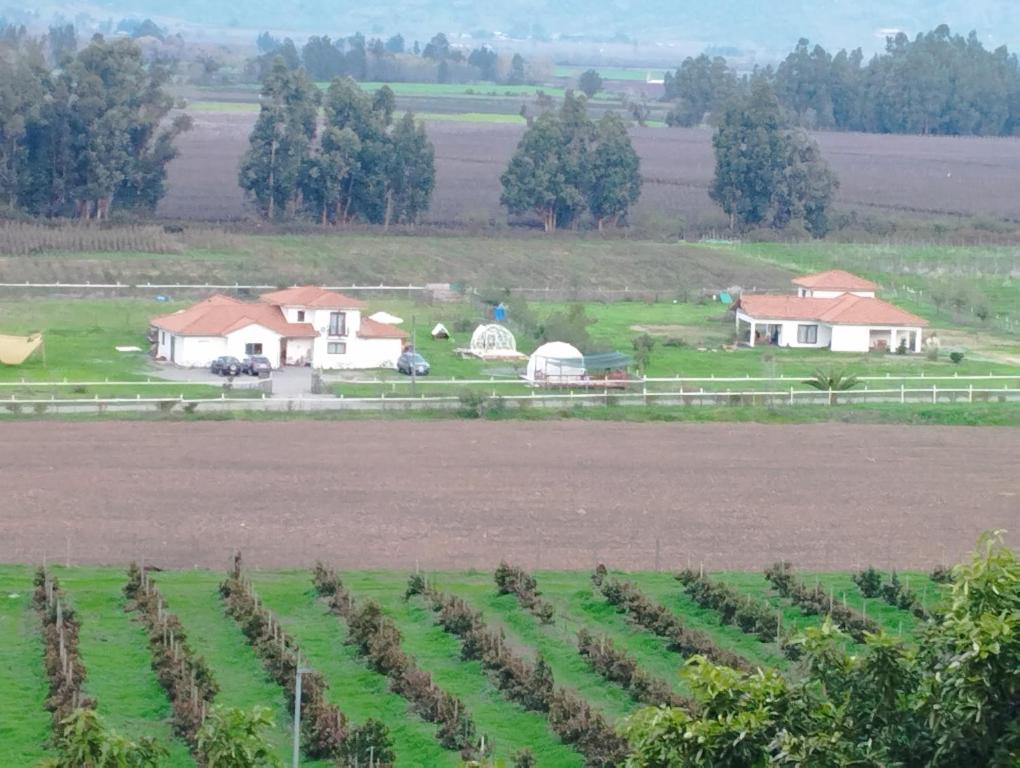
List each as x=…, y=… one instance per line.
x=389, y=209
x=272, y=178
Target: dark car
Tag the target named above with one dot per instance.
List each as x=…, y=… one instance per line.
x=225, y=366
x=412, y=362
x=256, y=366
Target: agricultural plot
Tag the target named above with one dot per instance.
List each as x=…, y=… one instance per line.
x=556, y=681
x=893, y=176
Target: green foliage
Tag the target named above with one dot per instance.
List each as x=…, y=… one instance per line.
x=570, y=326
x=832, y=380
x=956, y=357
x=235, y=738
x=951, y=701
x=700, y=87
x=643, y=346
x=589, y=83
x=869, y=581
x=765, y=173
x=86, y=742
x=564, y=163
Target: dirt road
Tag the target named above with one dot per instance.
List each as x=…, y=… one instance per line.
x=465, y=494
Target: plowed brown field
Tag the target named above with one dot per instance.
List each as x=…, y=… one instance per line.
x=458, y=494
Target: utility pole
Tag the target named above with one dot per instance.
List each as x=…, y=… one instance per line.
x=296, y=758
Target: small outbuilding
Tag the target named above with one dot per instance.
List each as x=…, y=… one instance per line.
x=556, y=363
x=440, y=332
x=494, y=342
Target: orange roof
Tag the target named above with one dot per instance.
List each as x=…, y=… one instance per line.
x=221, y=315
x=835, y=280
x=372, y=329
x=843, y=310
x=311, y=296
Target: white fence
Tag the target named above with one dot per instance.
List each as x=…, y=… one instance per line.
x=118, y=286
x=770, y=398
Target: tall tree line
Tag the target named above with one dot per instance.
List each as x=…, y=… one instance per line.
x=936, y=83
x=566, y=164
x=88, y=137
x=362, y=165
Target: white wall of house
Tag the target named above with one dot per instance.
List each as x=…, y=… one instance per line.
x=851, y=338
x=788, y=335
x=258, y=336
x=197, y=351
x=347, y=350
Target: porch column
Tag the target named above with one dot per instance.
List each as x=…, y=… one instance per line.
x=917, y=340
x=751, y=337
x=892, y=339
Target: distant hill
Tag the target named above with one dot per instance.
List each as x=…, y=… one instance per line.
x=749, y=25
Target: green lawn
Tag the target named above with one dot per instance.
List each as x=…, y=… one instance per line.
x=115, y=651
x=24, y=723
x=610, y=73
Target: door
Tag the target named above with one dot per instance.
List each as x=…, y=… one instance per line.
x=283, y=352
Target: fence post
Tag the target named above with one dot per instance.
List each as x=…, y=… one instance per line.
x=791, y=395
x=934, y=393
x=970, y=393
x=903, y=394
x=830, y=395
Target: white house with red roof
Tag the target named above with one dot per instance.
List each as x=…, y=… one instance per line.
x=303, y=325
x=832, y=309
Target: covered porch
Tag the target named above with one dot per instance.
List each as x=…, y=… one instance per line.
x=758, y=333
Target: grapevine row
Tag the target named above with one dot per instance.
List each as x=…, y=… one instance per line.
x=378, y=640
x=530, y=685
x=185, y=677
x=896, y=593
x=815, y=600
x=325, y=731
x=618, y=667
x=512, y=580
x=658, y=619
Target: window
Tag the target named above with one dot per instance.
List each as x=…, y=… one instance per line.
x=300, y=315
x=807, y=334
x=252, y=349
x=337, y=323
x=337, y=348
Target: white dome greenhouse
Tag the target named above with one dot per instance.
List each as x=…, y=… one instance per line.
x=556, y=363
x=494, y=342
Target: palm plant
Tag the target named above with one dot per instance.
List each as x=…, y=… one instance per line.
x=832, y=380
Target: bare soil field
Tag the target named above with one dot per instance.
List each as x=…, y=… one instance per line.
x=910, y=175
x=462, y=494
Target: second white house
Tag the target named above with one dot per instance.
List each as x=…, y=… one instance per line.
x=832, y=309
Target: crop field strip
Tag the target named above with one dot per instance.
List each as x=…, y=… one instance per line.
x=540, y=620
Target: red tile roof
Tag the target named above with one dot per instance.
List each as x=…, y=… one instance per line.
x=311, y=296
x=372, y=329
x=843, y=310
x=835, y=280
x=221, y=315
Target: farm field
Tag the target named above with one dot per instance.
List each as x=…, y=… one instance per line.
x=117, y=659
x=912, y=176
x=459, y=494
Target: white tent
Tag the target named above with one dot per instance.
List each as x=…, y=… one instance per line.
x=556, y=363
x=386, y=317
x=440, y=332
x=494, y=342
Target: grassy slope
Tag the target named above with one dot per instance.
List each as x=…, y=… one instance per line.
x=115, y=651
x=243, y=682
x=24, y=723
x=505, y=725
x=359, y=692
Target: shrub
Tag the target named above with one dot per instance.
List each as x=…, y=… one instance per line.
x=869, y=581
x=956, y=357
x=932, y=353
x=515, y=581
x=815, y=600
x=617, y=667
x=941, y=574
x=733, y=607
x=675, y=341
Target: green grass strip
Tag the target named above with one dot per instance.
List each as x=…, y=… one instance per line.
x=507, y=726
x=357, y=690
x=893, y=620
x=556, y=642
x=24, y=721
x=193, y=597
x=115, y=651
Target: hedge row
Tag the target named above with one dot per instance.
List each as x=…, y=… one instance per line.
x=658, y=619
x=872, y=583
x=617, y=667
x=379, y=641
x=325, y=731
x=815, y=600
x=65, y=671
x=185, y=677
x=512, y=580
x=530, y=685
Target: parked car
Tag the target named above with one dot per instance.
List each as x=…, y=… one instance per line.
x=412, y=362
x=256, y=365
x=226, y=366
